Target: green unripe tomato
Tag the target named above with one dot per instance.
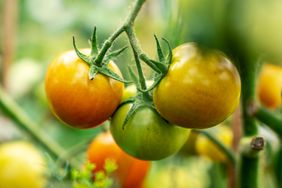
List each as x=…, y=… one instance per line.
x=147, y=135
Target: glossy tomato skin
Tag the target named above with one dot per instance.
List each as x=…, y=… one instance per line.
x=200, y=90
x=76, y=100
x=130, y=173
x=21, y=166
x=146, y=135
x=270, y=86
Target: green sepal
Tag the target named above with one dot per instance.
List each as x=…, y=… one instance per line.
x=85, y=58
x=114, y=54
x=159, y=50
x=169, y=57
x=133, y=76
x=94, y=44
x=108, y=72
x=161, y=66
x=92, y=72
x=95, y=67
x=157, y=80
x=137, y=103
x=130, y=113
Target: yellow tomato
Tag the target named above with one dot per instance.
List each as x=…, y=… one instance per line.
x=270, y=86
x=21, y=166
x=207, y=148
x=200, y=90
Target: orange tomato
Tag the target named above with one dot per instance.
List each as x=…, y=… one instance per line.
x=130, y=173
x=76, y=100
x=270, y=86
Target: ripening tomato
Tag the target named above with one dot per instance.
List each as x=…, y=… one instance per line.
x=76, y=100
x=200, y=90
x=146, y=135
x=270, y=86
x=207, y=148
x=130, y=173
x=21, y=166
x=131, y=91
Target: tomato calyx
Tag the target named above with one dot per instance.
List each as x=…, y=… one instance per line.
x=161, y=65
x=97, y=65
x=137, y=103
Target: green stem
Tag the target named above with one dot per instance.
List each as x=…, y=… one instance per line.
x=249, y=166
x=270, y=119
x=129, y=23
x=72, y=153
x=134, y=45
x=12, y=110
x=133, y=14
x=107, y=44
x=228, y=153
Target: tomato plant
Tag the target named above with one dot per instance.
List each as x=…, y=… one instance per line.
x=146, y=135
x=21, y=166
x=200, y=90
x=130, y=173
x=77, y=100
x=207, y=148
x=270, y=86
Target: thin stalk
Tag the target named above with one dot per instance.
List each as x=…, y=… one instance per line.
x=134, y=12
x=249, y=166
x=265, y=116
x=12, y=110
x=129, y=23
x=134, y=43
x=228, y=153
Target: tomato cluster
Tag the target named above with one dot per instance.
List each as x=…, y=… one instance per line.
x=199, y=90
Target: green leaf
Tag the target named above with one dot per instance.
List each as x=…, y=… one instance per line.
x=82, y=56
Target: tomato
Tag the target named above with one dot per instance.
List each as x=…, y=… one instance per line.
x=188, y=172
x=21, y=166
x=131, y=91
x=270, y=86
x=189, y=146
x=76, y=100
x=128, y=92
x=207, y=148
x=130, y=173
x=200, y=90
x=146, y=135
